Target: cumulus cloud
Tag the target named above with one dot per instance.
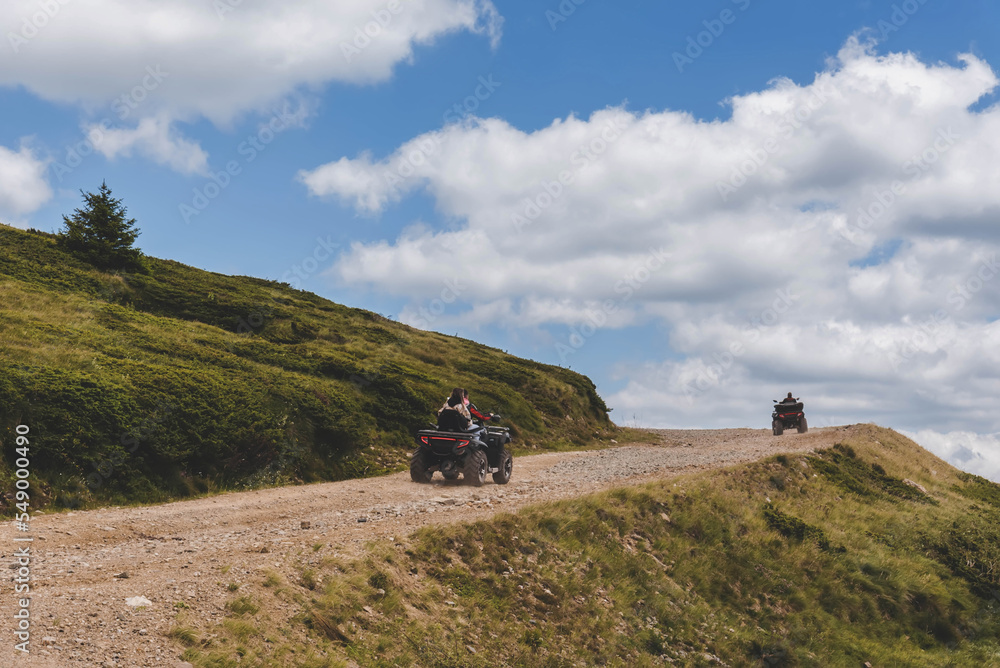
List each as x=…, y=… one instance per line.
x=157, y=62
x=153, y=138
x=784, y=178
x=528, y=312
x=23, y=187
x=221, y=58
x=975, y=453
x=839, y=235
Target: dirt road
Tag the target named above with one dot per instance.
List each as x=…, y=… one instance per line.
x=85, y=565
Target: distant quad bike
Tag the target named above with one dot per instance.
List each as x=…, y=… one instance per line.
x=787, y=416
x=471, y=451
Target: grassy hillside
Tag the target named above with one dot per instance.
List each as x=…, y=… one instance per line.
x=152, y=386
x=828, y=559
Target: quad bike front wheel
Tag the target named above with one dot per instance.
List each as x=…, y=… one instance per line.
x=502, y=477
x=475, y=468
x=803, y=425
x=777, y=427
x=418, y=467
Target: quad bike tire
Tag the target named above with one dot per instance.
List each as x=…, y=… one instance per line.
x=474, y=471
x=777, y=427
x=502, y=477
x=803, y=425
x=418, y=468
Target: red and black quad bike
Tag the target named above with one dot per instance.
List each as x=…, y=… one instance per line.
x=473, y=451
x=787, y=416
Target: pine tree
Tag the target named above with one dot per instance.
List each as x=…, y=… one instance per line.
x=100, y=233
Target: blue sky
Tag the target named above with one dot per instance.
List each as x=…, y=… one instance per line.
x=870, y=329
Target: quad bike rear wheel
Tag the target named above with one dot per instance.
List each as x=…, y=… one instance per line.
x=475, y=468
x=777, y=427
x=418, y=467
x=803, y=425
x=502, y=477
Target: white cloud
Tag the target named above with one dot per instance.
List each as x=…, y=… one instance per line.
x=23, y=187
x=846, y=372
x=974, y=453
x=527, y=312
x=221, y=58
x=152, y=138
x=159, y=62
x=803, y=188
x=652, y=180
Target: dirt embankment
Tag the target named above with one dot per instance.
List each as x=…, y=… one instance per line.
x=86, y=565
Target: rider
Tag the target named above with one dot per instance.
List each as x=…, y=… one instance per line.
x=789, y=399
x=485, y=417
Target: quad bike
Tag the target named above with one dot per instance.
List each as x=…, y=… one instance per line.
x=786, y=416
x=471, y=451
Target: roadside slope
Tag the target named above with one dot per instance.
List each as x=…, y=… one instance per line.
x=184, y=555
x=143, y=388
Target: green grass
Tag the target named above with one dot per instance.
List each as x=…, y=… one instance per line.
x=142, y=388
x=785, y=562
x=244, y=605
x=184, y=635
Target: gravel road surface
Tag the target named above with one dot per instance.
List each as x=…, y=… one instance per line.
x=86, y=565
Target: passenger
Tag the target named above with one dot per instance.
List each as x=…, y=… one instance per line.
x=459, y=414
